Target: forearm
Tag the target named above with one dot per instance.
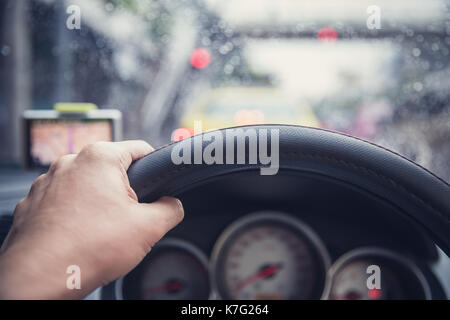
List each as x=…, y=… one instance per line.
x=36, y=274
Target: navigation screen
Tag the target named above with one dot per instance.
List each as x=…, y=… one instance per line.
x=52, y=138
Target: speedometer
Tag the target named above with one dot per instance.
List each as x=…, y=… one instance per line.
x=269, y=255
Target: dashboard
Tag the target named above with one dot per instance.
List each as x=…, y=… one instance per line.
x=276, y=237
x=251, y=237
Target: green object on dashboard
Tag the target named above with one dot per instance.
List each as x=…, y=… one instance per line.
x=74, y=107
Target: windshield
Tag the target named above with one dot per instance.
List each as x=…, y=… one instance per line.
x=379, y=72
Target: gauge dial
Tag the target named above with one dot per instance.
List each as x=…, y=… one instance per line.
x=399, y=278
x=174, y=269
x=351, y=283
x=269, y=256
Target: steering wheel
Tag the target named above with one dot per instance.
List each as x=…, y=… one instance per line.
x=415, y=192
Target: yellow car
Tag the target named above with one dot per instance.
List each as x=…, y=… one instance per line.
x=234, y=106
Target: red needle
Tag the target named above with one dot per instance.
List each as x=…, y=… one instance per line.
x=171, y=286
x=264, y=273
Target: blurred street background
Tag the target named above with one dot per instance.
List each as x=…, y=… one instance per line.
x=166, y=63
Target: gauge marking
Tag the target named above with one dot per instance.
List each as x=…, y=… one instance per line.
x=400, y=277
x=174, y=269
x=279, y=257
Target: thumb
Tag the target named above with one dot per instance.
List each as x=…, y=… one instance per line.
x=159, y=217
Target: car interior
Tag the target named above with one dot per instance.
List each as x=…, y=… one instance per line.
x=352, y=99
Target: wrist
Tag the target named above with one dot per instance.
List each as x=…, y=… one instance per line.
x=24, y=277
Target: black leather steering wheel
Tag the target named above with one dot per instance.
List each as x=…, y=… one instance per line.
x=419, y=194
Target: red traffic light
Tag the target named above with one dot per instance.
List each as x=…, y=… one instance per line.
x=200, y=58
x=327, y=34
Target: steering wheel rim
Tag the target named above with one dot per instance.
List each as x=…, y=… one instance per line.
x=420, y=194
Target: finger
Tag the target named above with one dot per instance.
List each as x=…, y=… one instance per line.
x=159, y=217
x=38, y=188
x=132, y=150
x=38, y=183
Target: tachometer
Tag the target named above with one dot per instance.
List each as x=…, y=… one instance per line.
x=174, y=269
x=269, y=255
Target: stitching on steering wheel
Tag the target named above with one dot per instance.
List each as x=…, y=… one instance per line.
x=352, y=165
x=367, y=171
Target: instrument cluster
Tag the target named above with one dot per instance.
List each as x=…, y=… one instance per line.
x=270, y=255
